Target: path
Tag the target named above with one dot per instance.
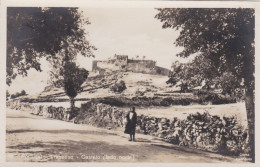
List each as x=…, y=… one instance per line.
x=34, y=138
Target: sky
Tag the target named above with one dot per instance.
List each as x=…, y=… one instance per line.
x=132, y=32
x=128, y=31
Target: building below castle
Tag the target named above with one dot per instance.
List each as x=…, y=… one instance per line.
x=122, y=63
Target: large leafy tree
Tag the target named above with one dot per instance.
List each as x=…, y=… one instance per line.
x=224, y=36
x=198, y=73
x=201, y=73
x=34, y=33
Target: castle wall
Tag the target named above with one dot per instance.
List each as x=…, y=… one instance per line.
x=140, y=68
x=124, y=64
x=162, y=71
x=147, y=67
x=107, y=65
x=102, y=66
x=146, y=63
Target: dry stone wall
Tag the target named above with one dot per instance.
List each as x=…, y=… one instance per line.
x=60, y=113
x=203, y=131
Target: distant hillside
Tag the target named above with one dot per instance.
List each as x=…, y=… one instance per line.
x=143, y=90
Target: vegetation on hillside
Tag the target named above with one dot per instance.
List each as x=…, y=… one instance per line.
x=118, y=87
x=17, y=94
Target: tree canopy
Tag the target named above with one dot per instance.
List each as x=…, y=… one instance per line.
x=200, y=73
x=33, y=33
x=225, y=37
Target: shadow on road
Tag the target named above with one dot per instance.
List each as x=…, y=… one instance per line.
x=79, y=150
x=60, y=131
x=142, y=140
x=191, y=151
x=20, y=117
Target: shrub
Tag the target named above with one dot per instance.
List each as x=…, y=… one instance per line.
x=18, y=94
x=118, y=87
x=214, y=98
x=139, y=93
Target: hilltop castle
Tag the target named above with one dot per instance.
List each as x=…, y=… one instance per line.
x=122, y=63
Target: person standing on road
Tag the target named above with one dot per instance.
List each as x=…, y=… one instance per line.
x=131, y=118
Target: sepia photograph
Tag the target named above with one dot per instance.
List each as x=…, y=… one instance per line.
x=130, y=84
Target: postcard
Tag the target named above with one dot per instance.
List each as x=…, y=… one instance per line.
x=132, y=83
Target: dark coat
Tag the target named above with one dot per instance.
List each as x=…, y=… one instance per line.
x=131, y=124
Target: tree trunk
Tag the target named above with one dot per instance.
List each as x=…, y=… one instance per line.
x=250, y=110
x=72, y=103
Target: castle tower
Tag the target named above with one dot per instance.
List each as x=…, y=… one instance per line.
x=121, y=60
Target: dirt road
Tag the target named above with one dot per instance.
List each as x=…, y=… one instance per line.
x=34, y=138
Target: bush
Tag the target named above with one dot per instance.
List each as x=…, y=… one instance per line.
x=139, y=93
x=214, y=98
x=118, y=87
x=22, y=93
x=114, y=101
x=144, y=101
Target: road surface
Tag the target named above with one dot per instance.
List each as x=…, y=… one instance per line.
x=31, y=138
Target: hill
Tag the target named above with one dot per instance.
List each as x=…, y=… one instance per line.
x=98, y=86
x=149, y=93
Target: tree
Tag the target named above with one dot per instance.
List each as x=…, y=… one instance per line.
x=228, y=83
x=180, y=76
x=198, y=73
x=73, y=78
x=67, y=75
x=34, y=33
x=226, y=38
